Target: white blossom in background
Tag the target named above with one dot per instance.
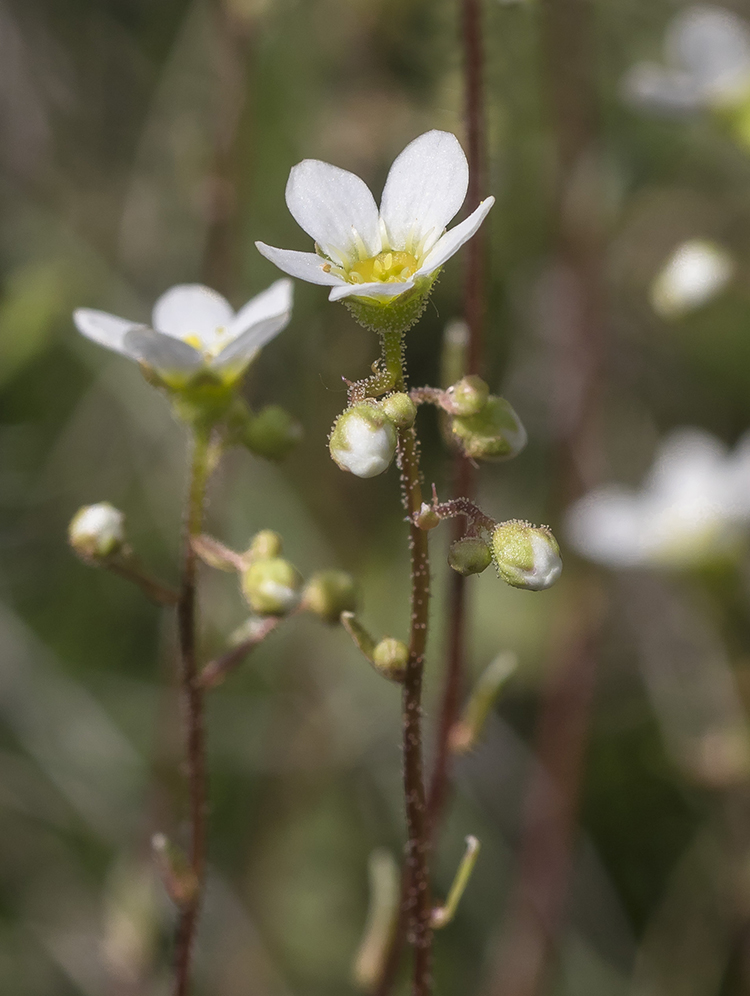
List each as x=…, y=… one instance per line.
x=97, y=530
x=194, y=330
x=695, y=272
x=366, y=253
x=706, y=65
x=693, y=507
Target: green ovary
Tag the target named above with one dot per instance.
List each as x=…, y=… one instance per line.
x=387, y=267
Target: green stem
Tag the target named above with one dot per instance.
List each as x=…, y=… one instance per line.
x=417, y=899
x=193, y=695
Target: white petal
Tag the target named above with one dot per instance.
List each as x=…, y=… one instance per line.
x=162, y=352
x=452, y=241
x=276, y=300
x=239, y=352
x=106, y=330
x=608, y=527
x=303, y=265
x=335, y=208
x=714, y=46
x=191, y=309
x=425, y=188
x=659, y=90
x=375, y=289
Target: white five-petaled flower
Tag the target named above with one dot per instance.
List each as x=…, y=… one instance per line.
x=194, y=330
x=706, y=64
x=693, y=507
x=366, y=253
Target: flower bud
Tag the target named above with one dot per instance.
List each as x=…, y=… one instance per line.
x=97, y=531
x=264, y=545
x=526, y=556
x=495, y=433
x=400, y=409
x=390, y=655
x=363, y=440
x=427, y=518
x=271, y=586
x=329, y=593
x=272, y=433
x=469, y=555
x=467, y=396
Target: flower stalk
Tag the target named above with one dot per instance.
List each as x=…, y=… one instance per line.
x=193, y=694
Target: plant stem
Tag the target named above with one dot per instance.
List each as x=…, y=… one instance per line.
x=417, y=898
x=193, y=695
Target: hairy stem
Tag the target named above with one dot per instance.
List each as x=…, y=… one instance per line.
x=417, y=900
x=193, y=696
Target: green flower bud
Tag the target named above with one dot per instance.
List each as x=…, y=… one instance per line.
x=467, y=397
x=400, y=409
x=469, y=555
x=526, y=556
x=427, y=518
x=272, y=586
x=328, y=594
x=272, y=433
x=97, y=531
x=264, y=545
x=495, y=433
x=363, y=440
x=390, y=655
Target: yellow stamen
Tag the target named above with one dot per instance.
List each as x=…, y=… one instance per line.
x=194, y=340
x=387, y=267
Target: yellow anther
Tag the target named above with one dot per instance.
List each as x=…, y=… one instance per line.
x=326, y=268
x=194, y=341
x=387, y=267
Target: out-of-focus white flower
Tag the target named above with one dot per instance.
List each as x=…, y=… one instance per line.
x=693, y=507
x=706, y=64
x=97, y=530
x=695, y=272
x=194, y=331
x=366, y=253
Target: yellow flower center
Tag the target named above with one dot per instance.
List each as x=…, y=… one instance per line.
x=387, y=267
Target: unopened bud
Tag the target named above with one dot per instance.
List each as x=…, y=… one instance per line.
x=271, y=586
x=469, y=555
x=467, y=396
x=427, y=518
x=272, y=433
x=526, y=556
x=97, y=531
x=264, y=545
x=328, y=594
x=363, y=440
x=496, y=433
x=400, y=409
x=390, y=655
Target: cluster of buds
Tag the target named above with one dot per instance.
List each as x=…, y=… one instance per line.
x=272, y=586
x=483, y=425
x=364, y=437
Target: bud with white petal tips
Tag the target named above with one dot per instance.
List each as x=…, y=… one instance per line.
x=526, y=556
x=97, y=531
x=496, y=433
x=363, y=440
x=272, y=586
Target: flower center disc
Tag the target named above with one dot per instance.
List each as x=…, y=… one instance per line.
x=387, y=267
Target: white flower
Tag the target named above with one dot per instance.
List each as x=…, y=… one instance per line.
x=97, y=530
x=363, y=440
x=706, y=64
x=695, y=272
x=694, y=506
x=194, y=329
x=363, y=252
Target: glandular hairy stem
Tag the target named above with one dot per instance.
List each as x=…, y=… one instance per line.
x=193, y=698
x=417, y=899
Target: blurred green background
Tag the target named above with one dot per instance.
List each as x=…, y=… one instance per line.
x=148, y=142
